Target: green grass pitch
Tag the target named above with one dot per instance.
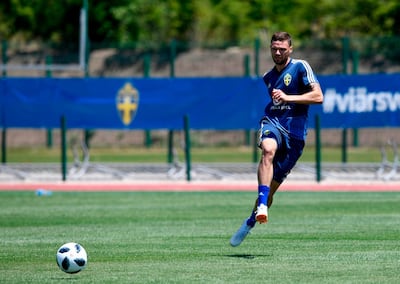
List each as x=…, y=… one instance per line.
x=183, y=237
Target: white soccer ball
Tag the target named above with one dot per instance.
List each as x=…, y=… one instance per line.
x=71, y=257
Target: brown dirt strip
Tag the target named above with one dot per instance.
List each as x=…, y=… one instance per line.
x=195, y=186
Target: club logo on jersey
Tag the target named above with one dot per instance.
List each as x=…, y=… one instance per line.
x=127, y=102
x=276, y=102
x=287, y=79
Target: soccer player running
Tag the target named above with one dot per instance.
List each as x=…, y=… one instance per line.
x=292, y=87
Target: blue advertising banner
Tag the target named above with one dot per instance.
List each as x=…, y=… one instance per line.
x=211, y=103
x=220, y=103
x=360, y=101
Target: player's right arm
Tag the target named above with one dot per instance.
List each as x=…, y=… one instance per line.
x=314, y=96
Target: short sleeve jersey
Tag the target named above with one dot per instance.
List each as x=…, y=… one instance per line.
x=294, y=79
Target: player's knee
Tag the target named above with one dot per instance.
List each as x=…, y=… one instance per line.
x=268, y=148
x=268, y=154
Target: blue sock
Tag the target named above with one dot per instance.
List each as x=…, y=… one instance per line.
x=263, y=192
x=252, y=219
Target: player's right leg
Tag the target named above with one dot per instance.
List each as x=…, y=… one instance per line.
x=269, y=141
x=265, y=172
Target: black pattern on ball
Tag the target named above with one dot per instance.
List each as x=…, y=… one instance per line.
x=65, y=263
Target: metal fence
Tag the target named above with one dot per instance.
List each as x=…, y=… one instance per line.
x=340, y=56
x=178, y=59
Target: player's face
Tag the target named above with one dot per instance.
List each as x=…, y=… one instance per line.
x=280, y=51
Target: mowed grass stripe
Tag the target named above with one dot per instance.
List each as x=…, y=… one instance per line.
x=183, y=237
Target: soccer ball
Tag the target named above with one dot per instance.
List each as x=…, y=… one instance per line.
x=71, y=258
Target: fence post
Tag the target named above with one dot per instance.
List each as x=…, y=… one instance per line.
x=172, y=58
x=247, y=137
x=4, y=130
x=356, y=59
x=4, y=56
x=86, y=35
x=146, y=74
x=345, y=53
x=345, y=59
x=63, y=148
x=246, y=67
x=49, y=61
x=318, y=148
x=49, y=136
x=256, y=57
x=355, y=56
x=255, y=147
x=87, y=136
x=170, y=157
x=4, y=146
x=147, y=138
x=187, y=147
x=146, y=65
x=355, y=137
x=344, y=145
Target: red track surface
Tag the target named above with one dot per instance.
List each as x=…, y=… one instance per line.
x=196, y=186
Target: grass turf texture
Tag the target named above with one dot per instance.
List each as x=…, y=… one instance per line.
x=199, y=155
x=183, y=237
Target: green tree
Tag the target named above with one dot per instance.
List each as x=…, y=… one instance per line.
x=359, y=18
x=55, y=20
x=225, y=21
x=154, y=20
x=202, y=21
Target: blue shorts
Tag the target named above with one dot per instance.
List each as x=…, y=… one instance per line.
x=288, y=152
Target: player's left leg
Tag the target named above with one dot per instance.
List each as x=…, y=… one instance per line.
x=274, y=187
x=250, y=222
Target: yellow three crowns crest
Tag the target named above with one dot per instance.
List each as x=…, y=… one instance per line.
x=287, y=79
x=127, y=102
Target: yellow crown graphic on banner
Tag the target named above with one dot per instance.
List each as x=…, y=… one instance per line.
x=127, y=102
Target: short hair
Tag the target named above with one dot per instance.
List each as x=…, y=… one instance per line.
x=282, y=36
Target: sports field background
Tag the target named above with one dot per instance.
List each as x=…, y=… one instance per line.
x=153, y=228
x=183, y=237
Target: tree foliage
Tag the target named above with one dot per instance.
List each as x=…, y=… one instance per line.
x=202, y=21
x=153, y=20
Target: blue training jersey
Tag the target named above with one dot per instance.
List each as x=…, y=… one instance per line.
x=294, y=79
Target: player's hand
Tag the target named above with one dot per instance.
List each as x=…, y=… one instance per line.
x=278, y=96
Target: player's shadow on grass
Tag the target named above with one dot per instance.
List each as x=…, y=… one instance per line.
x=71, y=279
x=246, y=256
